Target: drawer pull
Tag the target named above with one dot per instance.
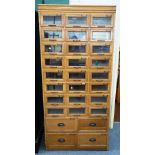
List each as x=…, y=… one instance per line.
x=61, y=124
x=61, y=140
x=92, y=124
x=92, y=140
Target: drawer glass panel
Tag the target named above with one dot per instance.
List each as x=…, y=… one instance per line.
x=100, y=87
x=55, y=111
x=55, y=87
x=99, y=99
x=101, y=20
x=76, y=110
x=55, y=99
x=77, y=48
x=53, y=20
x=79, y=35
x=77, y=20
x=101, y=35
x=104, y=75
x=77, y=62
x=52, y=34
x=99, y=111
x=77, y=99
x=77, y=75
x=101, y=49
x=53, y=62
x=100, y=63
x=54, y=75
x=53, y=48
x=76, y=87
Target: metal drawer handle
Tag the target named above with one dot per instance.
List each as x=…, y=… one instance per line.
x=92, y=124
x=61, y=124
x=61, y=140
x=92, y=140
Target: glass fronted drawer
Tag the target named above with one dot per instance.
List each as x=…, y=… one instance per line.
x=100, y=62
x=77, y=35
x=77, y=75
x=52, y=19
x=77, y=87
x=100, y=75
x=101, y=20
x=56, y=100
x=52, y=34
x=55, y=75
x=56, y=48
x=99, y=99
x=101, y=48
x=77, y=62
x=101, y=87
x=74, y=99
x=77, y=49
x=77, y=111
x=77, y=20
x=101, y=35
x=53, y=62
x=96, y=111
x=56, y=111
x=54, y=87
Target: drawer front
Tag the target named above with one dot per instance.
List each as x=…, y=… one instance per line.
x=58, y=125
x=98, y=111
x=53, y=62
x=60, y=139
x=92, y=139
x=54, y=48
x=93, y=124
x=78, y=75
x=77, y=111
x=55, y=111
x=54, y=87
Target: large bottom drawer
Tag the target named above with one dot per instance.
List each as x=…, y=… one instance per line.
x=93, y=141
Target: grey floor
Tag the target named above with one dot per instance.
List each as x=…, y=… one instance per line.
x=114, y=146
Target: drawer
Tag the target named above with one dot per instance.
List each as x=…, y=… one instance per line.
x=54, y=99
x=101, y=20
x=56, y=111
x=76, y=35
x=100, y=62
x=98, y=111
x=54, y=75
x=103, y=75
x=93, y=124
x=99, y=99
x=77, y=111
x=53, y=48
x=51, y=19
x=52, y=34
x=99, y=49
x=78, y=75
x=77, y=87
x=61, y=125
x=76, y=49
x=99, y=87
x=101, y=35
x=77, y=20
x=53, y=62
x=54, y=87
x=93, y=140
x=76, y=99
x=60, y=139
x=77, y=62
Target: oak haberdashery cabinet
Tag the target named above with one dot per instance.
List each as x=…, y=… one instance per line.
x=76, y=58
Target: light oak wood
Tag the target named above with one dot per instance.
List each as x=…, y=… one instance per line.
x=72, y=120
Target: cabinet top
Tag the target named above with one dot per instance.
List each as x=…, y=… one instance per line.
x=85, y=8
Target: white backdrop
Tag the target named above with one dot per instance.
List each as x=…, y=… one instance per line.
x=116, y=46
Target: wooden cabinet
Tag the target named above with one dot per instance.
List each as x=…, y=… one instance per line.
x=76, y=57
